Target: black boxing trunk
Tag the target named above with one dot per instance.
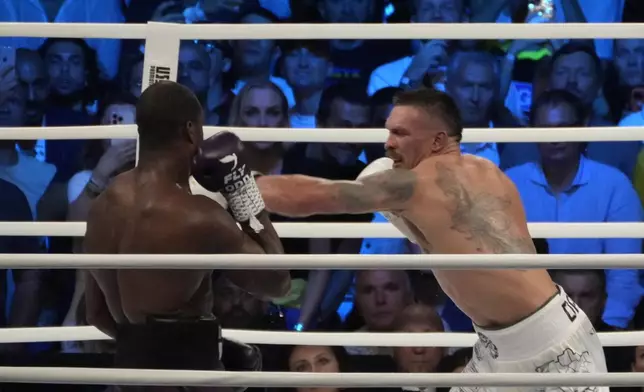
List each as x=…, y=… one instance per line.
x=169, y=343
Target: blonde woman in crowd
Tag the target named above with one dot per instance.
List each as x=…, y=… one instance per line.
x=262, y=105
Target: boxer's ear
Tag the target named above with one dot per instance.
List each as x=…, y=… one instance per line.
x=440, y=140
x=192, y=133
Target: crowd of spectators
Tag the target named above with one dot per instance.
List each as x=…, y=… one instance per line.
x=332, y=84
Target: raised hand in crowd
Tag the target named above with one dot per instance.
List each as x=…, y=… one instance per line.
x=8, y=79
x=117, y=156
x=431, y=55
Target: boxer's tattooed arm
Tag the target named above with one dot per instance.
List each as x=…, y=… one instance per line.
x=297, y=195
x=385, y=191
x=483, y=218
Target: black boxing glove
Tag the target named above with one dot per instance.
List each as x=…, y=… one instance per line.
x=240, y=357
x=219, y=166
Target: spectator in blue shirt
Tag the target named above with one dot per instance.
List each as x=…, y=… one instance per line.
x=565, y=186
x=576, y=68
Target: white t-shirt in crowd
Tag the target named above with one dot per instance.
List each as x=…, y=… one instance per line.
x=388, y=75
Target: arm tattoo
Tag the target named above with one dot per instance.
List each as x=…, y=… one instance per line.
x=384, y=191
x=481, y=217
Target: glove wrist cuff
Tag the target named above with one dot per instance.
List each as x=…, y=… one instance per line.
x=246, y=203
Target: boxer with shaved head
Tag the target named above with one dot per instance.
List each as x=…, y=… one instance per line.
x=450, y=203
x=161, y=319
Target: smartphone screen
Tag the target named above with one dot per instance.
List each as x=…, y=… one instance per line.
x=7, y=69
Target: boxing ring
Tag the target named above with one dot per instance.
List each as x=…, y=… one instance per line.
x=162, y=48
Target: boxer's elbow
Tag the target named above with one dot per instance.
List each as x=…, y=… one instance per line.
x=94, y=320
x=101, y=321
x=278, y=285
x=282, y=286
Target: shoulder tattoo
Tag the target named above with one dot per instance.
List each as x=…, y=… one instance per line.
x=481, y=217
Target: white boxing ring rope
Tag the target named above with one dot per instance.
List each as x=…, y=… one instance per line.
x=353, y=339
x=92, y=376
x=162, y=44
x=321, y=261
x=329, y=31
x=340, y=135
x=354, y=230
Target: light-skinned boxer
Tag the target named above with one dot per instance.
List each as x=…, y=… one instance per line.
x=450, y=203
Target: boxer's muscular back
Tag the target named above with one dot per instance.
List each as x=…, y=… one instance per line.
x=465, y=204
x=480, y=209
x=136, y=217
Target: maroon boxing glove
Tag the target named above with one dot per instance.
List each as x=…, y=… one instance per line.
x=219, y=166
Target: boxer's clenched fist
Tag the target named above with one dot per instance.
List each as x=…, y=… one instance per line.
x=219, y=166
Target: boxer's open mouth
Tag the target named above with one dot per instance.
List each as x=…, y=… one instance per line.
x=394, y=157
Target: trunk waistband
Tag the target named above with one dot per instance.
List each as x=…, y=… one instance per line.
x=168, y=342
x=547, y=326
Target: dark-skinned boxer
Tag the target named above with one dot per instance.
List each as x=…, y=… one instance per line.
x=161, y=319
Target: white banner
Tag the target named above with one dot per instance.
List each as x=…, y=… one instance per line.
x=161, y=54
x=161, y=58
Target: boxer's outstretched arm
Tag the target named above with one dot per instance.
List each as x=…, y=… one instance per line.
x=297, y=195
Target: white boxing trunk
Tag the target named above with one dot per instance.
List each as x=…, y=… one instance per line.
x=558, y=338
